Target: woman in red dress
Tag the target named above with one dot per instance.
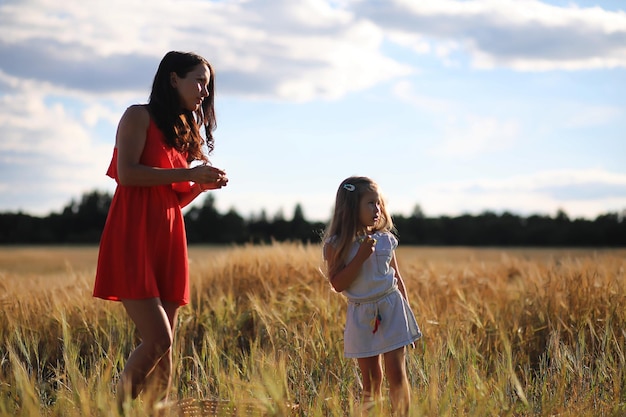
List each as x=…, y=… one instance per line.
x=142, y=260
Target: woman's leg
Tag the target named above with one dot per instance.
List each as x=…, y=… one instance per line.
x=395, y=371
x=160, y=379
x=372, y=375
x=154, y=324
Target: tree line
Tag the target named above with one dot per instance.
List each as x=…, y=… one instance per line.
x=82, y=221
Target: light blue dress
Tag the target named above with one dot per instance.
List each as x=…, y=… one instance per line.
x=378, y=318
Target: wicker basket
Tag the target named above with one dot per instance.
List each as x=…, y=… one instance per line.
x=222, y=408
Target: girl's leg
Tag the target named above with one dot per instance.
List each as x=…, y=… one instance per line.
x=155, y=328
x=372, y=374
x=395, y=371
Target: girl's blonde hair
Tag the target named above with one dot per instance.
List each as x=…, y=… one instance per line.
x=344, y=223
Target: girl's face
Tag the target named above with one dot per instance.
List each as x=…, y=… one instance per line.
x=193, y=88
x=369, y=210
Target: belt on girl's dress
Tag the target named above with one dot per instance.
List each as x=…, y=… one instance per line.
x=377, y=319
x=374, y=298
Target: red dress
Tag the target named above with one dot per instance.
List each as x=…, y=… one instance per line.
x=143, y=248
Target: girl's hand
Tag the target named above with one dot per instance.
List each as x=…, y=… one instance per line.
x=366, y=248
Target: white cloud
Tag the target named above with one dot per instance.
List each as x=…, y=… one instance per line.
x=463, y=133
x=526, y=35
x=580, y=193
x=46, y=154
x=410, y=40
x=338, y=66
x=472, y=135
x=404, y=90
x=542, y=179
x=294, y=51
x=583, y=115
x=95, y=112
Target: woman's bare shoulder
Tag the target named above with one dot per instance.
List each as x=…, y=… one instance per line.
x=133, y=124
x=137, y=112
x=136, y=116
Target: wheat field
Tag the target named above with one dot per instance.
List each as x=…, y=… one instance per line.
x=507, y=332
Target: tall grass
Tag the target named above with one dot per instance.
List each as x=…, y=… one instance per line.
x=506, y=333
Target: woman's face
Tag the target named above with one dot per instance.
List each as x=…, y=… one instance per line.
x=193, y=88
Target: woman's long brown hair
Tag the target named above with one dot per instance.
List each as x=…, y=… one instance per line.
x=180, y=126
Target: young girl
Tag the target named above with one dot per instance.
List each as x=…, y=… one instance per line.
x=142, y=260
x=361, y=264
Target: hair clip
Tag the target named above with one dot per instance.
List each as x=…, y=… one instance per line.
x=349, y=187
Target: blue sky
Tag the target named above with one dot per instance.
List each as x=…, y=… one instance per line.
x=455, y=106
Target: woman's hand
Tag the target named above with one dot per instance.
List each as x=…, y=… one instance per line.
x=222, y=182
x=208, y=178
x=205, y=174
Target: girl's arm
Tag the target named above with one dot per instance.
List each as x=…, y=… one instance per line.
x=130, y=141
x=401, y=286
x=343, y=278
